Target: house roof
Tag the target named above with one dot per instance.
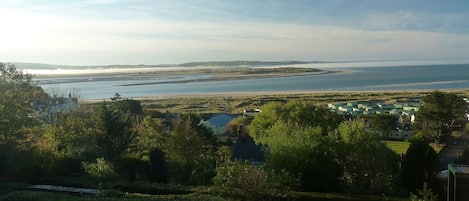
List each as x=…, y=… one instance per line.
x=220, y=120
x=246, y=149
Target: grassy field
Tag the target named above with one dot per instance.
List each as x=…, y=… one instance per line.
x=402, y=146
x=236, y=103
x=397, y=146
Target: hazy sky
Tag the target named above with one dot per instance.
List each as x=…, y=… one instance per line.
x=98, y=32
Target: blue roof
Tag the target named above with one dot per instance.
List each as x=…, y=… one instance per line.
x=220, y=120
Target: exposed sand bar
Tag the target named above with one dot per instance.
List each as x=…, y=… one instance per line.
x=225, y=77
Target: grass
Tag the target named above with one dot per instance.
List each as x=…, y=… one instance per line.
x=402, y=146
x=236, y=103
x=43, y=196
x=397, y=146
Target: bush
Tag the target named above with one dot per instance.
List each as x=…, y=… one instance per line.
x=129, y=168
x=100, y=172
x=112, y=194
x=158, y=171
x=154, y=189
x=247, y=182
x=68, y=167
x=10, y=187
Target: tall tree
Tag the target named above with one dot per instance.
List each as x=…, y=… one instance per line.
x=190, y=153
x=296, y=136
x=17, y=115
x=296, y=115
x=439, y=113
x=420, y=165
x=116, y=131
x=370, y=167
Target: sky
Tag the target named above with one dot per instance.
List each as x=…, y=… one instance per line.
x=106, y=32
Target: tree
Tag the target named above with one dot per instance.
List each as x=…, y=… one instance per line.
x=115, y=131
x=370, y=167
x=296, y=115
x=463, y=159
x=158, y=170
x=295, y=135
x=17, y=96
x=420, y=164
x=440, y=113
x=18, y=157
x=190, y=153
x=10, y=73
x=424, y=194
x=383, y=123
x=242, y=180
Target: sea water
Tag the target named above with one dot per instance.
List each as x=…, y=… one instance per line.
x=421, y=77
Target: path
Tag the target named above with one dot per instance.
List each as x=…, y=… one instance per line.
x=63, y=189
x=452, y=150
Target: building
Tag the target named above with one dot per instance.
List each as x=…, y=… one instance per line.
x=458, y=182
x=218, y=123
x=246, y=149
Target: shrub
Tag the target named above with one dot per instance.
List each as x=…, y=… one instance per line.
x=129, y=168
x=158, y=171
x=68, y=167
x=247, y=182
x=149, y=188
x=100, y=172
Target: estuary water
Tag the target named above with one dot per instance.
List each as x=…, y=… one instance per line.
x=418, y=77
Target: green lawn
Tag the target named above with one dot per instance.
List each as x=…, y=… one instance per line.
x=397, y=146
x=402, y=146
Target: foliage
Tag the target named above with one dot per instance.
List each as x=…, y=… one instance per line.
x=158, y=170
x=296, y=115
x=370, y=166
x=238, y=125
x=152, y=188
x=152, y=135
x=463, y=159
x=17, y=96
x=129, y=167
x=295, y=134
x=247, y=182
x=10, y=187
x=109, y=196
x=383, y=123
x=420, y=164
x=306, y=154
x=21, y=152
x=100, y=171
x=424, y=194
x=190, y=153
x=74, y=136
x=440, y=113
x=115, y=131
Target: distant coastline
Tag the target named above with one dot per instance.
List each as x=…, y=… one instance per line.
x=226, y=77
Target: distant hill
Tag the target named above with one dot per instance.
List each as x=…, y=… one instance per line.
x=240, y=63
x=245, y=63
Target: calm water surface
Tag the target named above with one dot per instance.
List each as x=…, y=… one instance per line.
x=354, y=79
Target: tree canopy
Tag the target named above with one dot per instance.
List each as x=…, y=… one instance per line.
x=439, y=113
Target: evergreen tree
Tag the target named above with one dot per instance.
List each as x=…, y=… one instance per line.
x=420, y=165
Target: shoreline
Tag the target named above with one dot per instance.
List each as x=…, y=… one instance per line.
x=248, y=94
